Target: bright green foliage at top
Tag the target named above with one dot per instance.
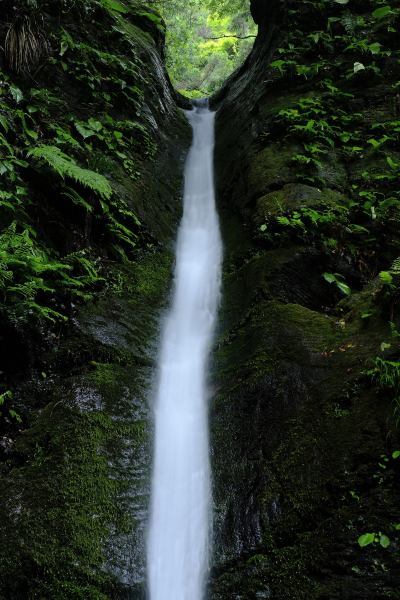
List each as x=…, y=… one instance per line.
x=206, y=41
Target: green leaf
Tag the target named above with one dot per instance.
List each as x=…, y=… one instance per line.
x=375, y=48
x=386, y=277
x=95, y=125
x=396, y=454
x=338, y=281
x=382, y=12
x=64, y=47
x=16, y=94
x=358, y=66
x=16, y=416
x=6, y=396
x=366, y=539
x=342, y=1
x=374, y=143
x=384, y=541
x=84, y=131
x=115, y=6
x=4, y=123
x=329, y=277
x=392, y=164
x=343, y=287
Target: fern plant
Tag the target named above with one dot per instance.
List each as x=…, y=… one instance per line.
x=66, y=166
x=30, y=279
x=395, y=268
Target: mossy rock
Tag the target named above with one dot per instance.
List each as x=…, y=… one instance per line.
x=271, y=168
x=295, y=196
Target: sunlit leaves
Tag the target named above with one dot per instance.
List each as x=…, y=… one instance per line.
x=338, y=281
x=374, y=538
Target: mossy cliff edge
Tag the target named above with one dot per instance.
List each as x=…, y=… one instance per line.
x=92, y=146
x=305, y=416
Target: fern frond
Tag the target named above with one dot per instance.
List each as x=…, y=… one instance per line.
x=66, y=166
x=395, y=268
x=349, y=23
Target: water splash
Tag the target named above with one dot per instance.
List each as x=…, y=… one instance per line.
x=178, y=544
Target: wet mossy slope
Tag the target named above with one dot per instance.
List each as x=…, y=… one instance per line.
x=93, y=147
x=305, y=417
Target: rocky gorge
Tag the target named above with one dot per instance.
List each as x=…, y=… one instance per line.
x=305, y=371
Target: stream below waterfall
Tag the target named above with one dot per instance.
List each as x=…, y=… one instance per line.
x=180, y=519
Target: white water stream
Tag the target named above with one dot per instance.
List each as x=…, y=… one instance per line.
x=180, y=518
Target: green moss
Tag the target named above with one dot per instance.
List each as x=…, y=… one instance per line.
x=62, y=519
x=153, y=276
x=294, y=197
x=271, y=168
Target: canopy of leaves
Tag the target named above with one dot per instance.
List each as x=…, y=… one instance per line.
x=206, y=41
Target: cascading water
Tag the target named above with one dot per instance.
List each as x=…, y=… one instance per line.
x=180, y=509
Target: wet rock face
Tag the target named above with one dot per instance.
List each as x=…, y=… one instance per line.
x=75, y=474
x=297, y=428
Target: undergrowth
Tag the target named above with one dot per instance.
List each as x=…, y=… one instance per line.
x=60, y=214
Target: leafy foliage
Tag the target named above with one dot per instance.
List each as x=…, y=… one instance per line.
x=65, y=166
x=53, y=154
x=206, y=41
x=30, y=279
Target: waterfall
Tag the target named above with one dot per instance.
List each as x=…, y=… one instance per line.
x=178, y=543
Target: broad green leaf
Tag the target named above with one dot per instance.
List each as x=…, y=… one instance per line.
x=338, y=281
x=84, y=131
x=358, y=67
x=375, y=48
x=366, y=539
x=382, y=12
x=95, y=125
x=386, y=277
x=16, y=94
x=342, y=1
x=384, y=541
x=329, y=277
x=396, y=454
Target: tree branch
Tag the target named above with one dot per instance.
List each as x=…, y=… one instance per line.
x=237, y=37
